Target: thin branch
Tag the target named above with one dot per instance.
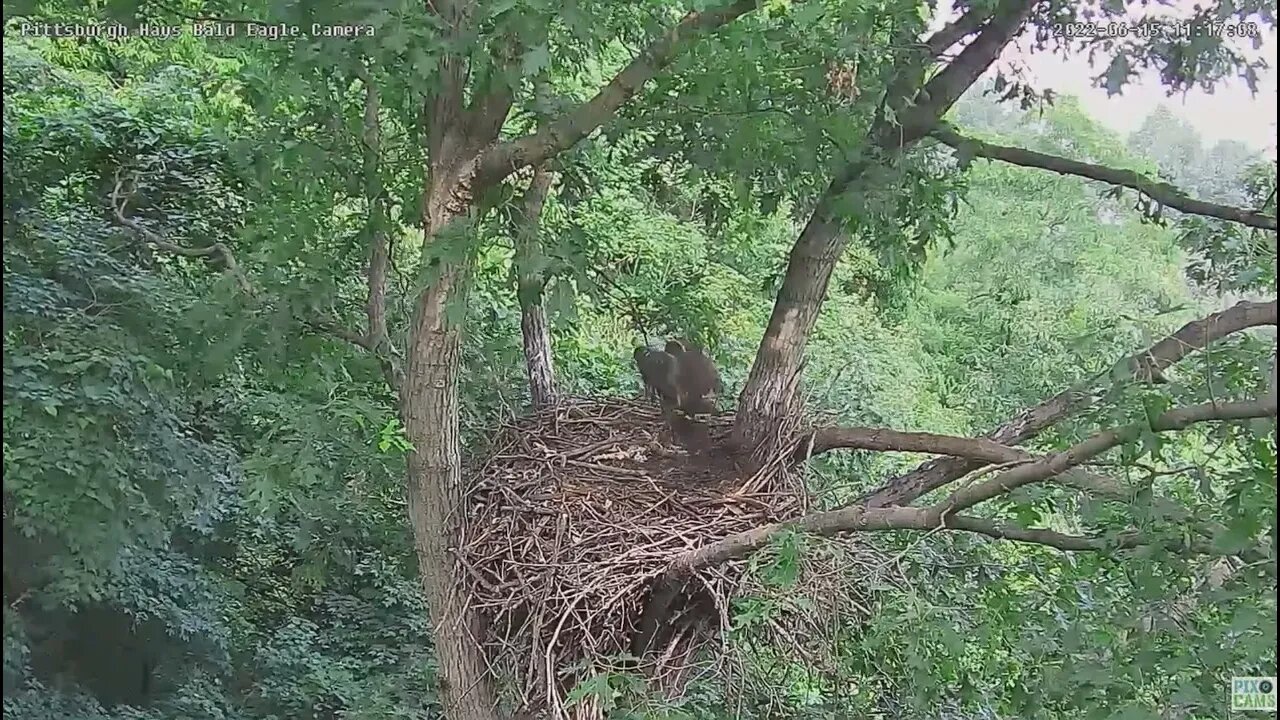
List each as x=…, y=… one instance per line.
x=1161, y=192
x=328, y=325
x=1171, y=510
x=1189, y=338
x=217, y=253
x=377, y=339
x=376, y=304
x=563, y=132
x=1050, y=538
x=1053, y=465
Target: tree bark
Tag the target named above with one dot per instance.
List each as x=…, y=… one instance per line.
x=429, y=405
x=534, y=329
x=768, y=401
x=767, y=407
x=430, y=408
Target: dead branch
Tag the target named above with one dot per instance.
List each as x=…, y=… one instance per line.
x=1162, y=192
x=1191, y=337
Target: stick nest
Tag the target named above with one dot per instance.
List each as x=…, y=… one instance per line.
x=574, y=513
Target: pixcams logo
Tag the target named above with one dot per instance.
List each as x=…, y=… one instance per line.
x=1253, y=693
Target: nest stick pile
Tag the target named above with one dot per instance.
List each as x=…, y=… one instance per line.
x=576, y=510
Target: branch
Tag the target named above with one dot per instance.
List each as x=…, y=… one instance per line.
x=956, y=30
x=376, y=333
x=864, y=519
x=530, y=282
x=1161, y=192
x=445, y=115
x=940, y=93
x=376, y=339
x=987, y=451
x=1189, y=338
x=1061, y=541
x=881, y=439
x=1171, y=510
x=860, y=518
x=216, y=253
x=1001, y=456
x=489, y=110
x=1057, y=463
x=563, y=132
x=899, y=122
x=328, y=325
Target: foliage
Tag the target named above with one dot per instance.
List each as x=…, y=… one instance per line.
x=1224, y=258
x=158, y=561
x=204, y=503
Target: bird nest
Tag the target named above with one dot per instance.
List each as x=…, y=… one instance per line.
x=573, y=515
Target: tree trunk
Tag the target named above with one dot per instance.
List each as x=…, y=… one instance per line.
x=768, y=403
x=530, y=282
x=767, y=407
x=429, y=406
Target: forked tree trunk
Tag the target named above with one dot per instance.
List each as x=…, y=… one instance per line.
x=767, y=405
x=429, y=406
x=530, y=282
x=457, y=135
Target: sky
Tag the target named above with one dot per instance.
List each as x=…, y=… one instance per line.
x=1231, y=112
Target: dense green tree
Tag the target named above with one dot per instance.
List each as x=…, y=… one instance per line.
x=195, y=226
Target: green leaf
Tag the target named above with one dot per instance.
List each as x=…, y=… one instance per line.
x=535, y=60
x=1117, y=75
